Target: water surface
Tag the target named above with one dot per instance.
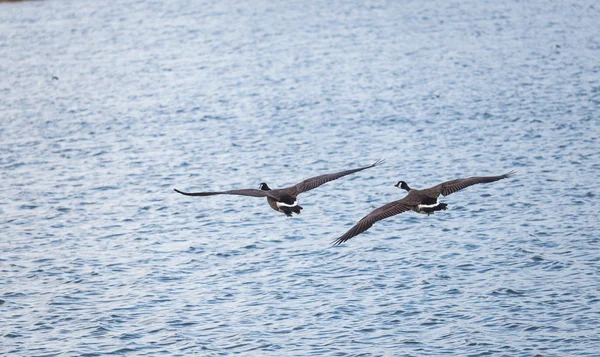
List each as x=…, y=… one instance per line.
x=108, y=106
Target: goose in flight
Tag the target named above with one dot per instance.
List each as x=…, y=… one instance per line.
x=284, y=200
x=424, y=201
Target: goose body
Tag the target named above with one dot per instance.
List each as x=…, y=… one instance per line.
x=284, y=200
x=428, y=202
x=424, y=201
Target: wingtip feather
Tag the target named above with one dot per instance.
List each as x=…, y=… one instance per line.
x=337, y=242
x=378, y=162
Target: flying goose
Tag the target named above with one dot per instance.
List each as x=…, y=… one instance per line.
x=284, y=200
x=421, y=201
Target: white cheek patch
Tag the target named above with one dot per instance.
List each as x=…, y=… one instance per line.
x=280, y=204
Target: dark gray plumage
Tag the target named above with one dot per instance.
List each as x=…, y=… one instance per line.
x=284, y=200
x=421, y=201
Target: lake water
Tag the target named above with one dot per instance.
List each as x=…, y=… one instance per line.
x=108, y=106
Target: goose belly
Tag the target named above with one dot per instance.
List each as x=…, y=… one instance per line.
x=282, y=204
x=283, y=207
x=273, y=203
x=430, y=208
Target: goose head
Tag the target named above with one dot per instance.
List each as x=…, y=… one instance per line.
x=403, y=185
x=263, y=186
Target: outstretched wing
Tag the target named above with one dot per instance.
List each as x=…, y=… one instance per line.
x=243, y=192
x=383, y=212
x=449, y=187
x=317, y=181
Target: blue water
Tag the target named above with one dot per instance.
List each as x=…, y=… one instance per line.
x=99, y=256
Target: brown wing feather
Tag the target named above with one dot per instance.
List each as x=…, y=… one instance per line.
x=449, y=187
x=383, y=212
x=317, y=181
x=243, y=192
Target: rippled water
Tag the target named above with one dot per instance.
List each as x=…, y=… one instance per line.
x=99, y=255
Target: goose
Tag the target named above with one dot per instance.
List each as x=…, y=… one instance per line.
x=284, y=200
x=421, y=201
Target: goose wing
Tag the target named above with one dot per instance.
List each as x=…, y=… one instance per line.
x=317, y=181
x=242, y=192
x=383, y=212
x=449, y=187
